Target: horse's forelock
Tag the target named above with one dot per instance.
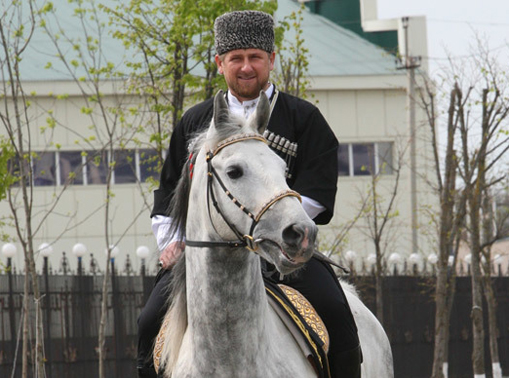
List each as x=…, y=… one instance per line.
x=217, y=133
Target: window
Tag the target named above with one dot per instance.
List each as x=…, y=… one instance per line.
x=44, y=169
x=97, y=167
x=343, y=160
x=148, y=164
x=91, y=167
x=362, y=159
x=125, y=169
x=385, y=162
x=71, y=168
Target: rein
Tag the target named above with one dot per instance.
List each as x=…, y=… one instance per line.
x=244, y=240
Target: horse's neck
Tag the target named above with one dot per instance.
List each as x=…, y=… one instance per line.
x=227, y=305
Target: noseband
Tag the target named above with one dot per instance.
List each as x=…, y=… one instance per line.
x=244, y=240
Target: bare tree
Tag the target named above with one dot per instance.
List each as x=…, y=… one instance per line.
x=18, y=23
x=91, y=72
x=452, y=212
x=492, y=230
x=475, y=118
x=483, y=145
x=379, y=213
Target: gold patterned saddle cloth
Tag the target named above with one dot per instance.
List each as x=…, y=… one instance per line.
x=308, y=312
x=299, y=316
x=303, y=322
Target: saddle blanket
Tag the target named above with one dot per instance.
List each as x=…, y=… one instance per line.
x=303, y=322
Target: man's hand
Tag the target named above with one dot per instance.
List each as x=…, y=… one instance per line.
x=171, y=254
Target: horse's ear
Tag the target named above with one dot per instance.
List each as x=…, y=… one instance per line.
x=221, y=113
x=262, y=113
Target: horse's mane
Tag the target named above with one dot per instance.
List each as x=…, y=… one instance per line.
x=177, y=315
x=179, y=203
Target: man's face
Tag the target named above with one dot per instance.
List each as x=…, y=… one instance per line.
x=246, y=71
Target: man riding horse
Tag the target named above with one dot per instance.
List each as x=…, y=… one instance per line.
x=244, y=42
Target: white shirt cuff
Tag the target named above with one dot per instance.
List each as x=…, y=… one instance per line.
x=160, y=227
x=312, y=207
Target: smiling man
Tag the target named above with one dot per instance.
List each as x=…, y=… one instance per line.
x=244, y=42
x=246, y=71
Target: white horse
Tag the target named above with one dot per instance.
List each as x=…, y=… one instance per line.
x=235, y=206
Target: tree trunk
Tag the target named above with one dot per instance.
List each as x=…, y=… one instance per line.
x=441, y=325
x=449, y=227
x=30, y=269
x=492, y=322
x=39, y=333
x=109, y=247
x=379, y=287
x=102, y=323
x=489, y=235
x=24, y=350
x=477, y=309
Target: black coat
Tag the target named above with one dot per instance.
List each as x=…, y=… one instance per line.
x=313, y=171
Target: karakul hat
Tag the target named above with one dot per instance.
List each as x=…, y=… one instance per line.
x=244, y=30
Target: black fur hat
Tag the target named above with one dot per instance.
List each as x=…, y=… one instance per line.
x=244, y=30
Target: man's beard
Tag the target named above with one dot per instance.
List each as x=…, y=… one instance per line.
x=249, y=92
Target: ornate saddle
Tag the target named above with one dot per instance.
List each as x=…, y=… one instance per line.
x=303, y=322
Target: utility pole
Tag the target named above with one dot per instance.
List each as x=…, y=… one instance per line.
x=410, y=63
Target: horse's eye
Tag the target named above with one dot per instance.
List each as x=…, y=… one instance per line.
x=234, y=172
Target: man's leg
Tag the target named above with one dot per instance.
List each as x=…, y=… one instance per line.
x=321, y=288
x=149, y=322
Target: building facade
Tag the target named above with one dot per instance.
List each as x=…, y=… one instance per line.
x=358, y=87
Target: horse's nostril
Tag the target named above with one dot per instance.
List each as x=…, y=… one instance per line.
x=293, y=235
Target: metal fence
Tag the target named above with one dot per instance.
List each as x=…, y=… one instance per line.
x=71, y=306
x=71, y=315
x=409, y=310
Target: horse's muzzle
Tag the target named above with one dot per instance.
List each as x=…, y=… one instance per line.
x=299, y=240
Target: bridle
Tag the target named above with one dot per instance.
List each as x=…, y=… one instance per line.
x=244, y=240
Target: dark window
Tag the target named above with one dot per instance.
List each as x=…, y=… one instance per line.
x=44, y=169
x=363, y=159
x=343, y=160
x=71, y=168
x=125, y=167
x=97, y=167
x=149, y=165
